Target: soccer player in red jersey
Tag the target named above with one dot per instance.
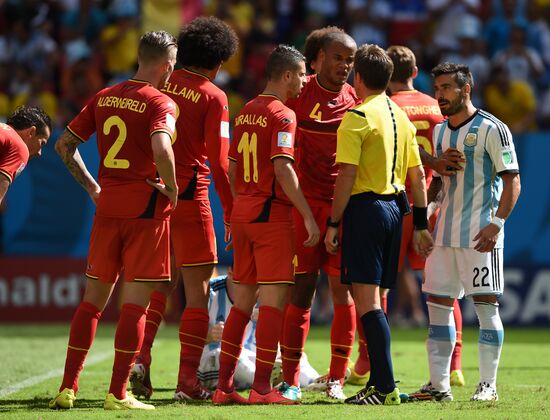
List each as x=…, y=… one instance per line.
x=265, y=187
x=424, y=113
x=134, y=123
x=319, y=110
x=202, y=133
x=26, y=131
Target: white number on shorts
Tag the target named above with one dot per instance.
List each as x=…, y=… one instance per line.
x=485, y=272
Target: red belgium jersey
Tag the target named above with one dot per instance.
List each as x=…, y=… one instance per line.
x=125, y=117
x=202, y=133
x=319, y=112
x=264, y=130
x=424, y=113
x=14, y=153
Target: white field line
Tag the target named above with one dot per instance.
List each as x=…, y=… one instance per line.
x=11, y=389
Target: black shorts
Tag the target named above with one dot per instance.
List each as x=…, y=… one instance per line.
x=371, y=238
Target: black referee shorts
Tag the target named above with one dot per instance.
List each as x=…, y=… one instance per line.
x=371, y=238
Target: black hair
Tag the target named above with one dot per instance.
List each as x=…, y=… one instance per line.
x=283, y=58
x=206, y=42
x=27, y=116
x=461, y=72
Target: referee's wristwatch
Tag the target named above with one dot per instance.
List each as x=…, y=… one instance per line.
x=330, y=223
x=497, y=221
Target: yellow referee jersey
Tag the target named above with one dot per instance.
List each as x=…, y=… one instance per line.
x=366, y=139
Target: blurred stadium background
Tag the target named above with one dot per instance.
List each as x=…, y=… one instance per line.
x=58, y=53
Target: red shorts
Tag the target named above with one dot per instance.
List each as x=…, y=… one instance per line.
x=139, y=246
x=416, y=262
x=192, y=234
x=263, y=252
x=312, y=258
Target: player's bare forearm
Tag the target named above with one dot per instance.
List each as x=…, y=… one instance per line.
x=417, y=179
x=231, y=174
x=510, y=194
x=287, y=178
x=342, y=190
x=66, y=148
x=164, y=159
x=434, y=192
x=4, y=185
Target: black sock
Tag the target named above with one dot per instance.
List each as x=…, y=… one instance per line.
x=377, y=333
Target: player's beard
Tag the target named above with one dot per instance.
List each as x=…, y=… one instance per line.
x=454, y=107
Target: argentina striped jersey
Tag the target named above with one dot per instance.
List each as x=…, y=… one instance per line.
x=219, y=305
x=471, y=197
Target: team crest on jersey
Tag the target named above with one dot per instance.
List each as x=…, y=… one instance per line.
x=19, y=170
x=507, y=157
x=470, y=140
x=284, y=139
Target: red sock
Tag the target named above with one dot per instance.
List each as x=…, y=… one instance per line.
x=342, y=333
x=232, y=342
x=362, y=365
x=193, y=332
x=384, y=303
x=128, y=340
x=268, y=333
x=155, y=314
x=456, y=362
x=293, y=338
x=83, y=328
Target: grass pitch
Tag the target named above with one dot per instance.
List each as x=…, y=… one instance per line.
x=32, y=358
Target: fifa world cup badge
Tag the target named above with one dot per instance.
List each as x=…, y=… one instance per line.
x=470, y=140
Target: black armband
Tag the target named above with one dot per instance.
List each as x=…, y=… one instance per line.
x=420, y=218
x=330, y=223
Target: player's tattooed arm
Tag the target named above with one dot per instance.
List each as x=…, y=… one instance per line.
x=66, y=148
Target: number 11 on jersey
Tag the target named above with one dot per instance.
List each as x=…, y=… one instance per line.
x=248, y=145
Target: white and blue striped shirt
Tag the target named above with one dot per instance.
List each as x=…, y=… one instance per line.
x=219, y=305
x=471, y=197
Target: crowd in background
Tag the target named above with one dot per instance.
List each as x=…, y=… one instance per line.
x=58, y=53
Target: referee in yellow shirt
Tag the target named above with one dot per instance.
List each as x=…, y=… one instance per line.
x=376, y=152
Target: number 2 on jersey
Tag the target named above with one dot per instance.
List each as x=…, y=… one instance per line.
x=110, y=161
x=248, y=145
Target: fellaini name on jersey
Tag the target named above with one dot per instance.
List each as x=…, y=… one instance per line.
x=187, y=93
x=251, y=119
x=122, y=103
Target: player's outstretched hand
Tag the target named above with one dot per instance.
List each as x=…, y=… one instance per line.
x=487, y=238
x=171, y=193
x=450, y=162
x=313, y=231
x=331, y=240
x=423, y=242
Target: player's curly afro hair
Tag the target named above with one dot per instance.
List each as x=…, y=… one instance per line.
x=206, y=42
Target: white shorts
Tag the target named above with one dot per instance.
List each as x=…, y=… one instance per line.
x=209, y=368
x=246, y=367
x=455, y=272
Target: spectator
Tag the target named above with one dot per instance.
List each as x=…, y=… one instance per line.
x=523, y=63
x=511, y=101
x=470, y=53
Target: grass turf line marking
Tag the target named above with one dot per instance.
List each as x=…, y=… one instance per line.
x=34, y=380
